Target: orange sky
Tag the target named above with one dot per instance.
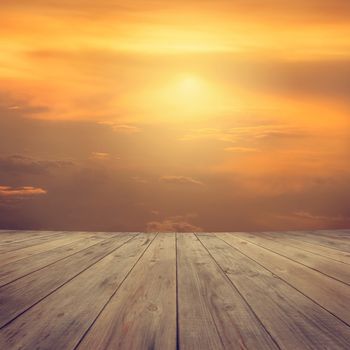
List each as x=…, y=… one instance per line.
x=175, y=115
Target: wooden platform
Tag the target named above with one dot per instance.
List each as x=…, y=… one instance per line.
x=76, y=290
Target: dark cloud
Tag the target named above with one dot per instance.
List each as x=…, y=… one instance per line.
x=18, y=164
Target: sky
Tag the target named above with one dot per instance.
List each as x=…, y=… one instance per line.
x=174, y=115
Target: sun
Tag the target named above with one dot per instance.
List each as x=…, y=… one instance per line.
x=190, y=85
x=189, y=94
x=182, y=97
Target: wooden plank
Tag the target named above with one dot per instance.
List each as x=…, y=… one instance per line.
x=332, y=236
x=22, y=236
x=294, y=321
x=21, y=294
x=212, y=314
x=11, y=236
x=321, y=264
x=330, y=242
x=327, y=292
x=142, y=313
x=338, y=234
x=5, y=248
x=60, y=320
x=52, y=243
x=326, y=252
x=16, y=237
x=20, y=268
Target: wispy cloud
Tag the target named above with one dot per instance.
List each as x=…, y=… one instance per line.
x=246, y=133
x=181, y=180
x=123, y=128
x=103, y=156
x=20, y=192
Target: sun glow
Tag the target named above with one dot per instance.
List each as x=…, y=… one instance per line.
x=190, y=85
x=184, y=96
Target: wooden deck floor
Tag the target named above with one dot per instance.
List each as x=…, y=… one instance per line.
x=75, y=290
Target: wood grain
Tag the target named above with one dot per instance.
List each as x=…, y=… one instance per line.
x=334, y=296
x=292, y=319
x=112, y=290
x=21, y=294
x=341, y=234
x=15, y=245
x=324, y=240
x=22, y=267
x=142, y=314
x=317, y=249
x=212, y=314
x=62, y=318
x=10, y=236
x=52, y=243
x=324, y=265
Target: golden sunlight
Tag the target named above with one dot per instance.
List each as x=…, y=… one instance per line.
x=183, y=96
x=190, y=86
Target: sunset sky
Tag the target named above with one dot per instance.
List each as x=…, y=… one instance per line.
x=183, y=115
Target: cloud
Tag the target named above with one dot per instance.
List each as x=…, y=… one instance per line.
x=18, y=164
x=246, y=133
x=103, y=156
x=123, y=128
x=172, y=224
x=100, y=155
x=267, y=131
x=20, y=192
x=181, y=180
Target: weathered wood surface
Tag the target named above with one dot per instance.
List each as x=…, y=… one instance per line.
x=142, y=313
x=313, y=248
x=212, y=313
x=292, y=319
x=14, y=270
x=331, y=294
x=17, y=245
x=328, y=240
x=17, y=297
x=8, y=257
x=83, y=290
x=8, y=236
x=321, y=264
x=74, y=307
